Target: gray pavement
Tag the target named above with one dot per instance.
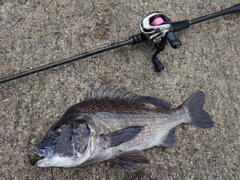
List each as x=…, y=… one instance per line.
x=34, y=33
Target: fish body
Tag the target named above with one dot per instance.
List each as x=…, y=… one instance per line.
x=118, y=125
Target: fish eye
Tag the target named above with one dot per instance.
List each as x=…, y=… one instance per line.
x=56, y=132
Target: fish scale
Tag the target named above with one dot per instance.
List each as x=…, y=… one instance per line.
x=153, y=126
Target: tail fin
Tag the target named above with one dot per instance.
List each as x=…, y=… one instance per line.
x=194, y=105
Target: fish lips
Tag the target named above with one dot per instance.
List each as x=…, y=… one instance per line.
x=46, y=152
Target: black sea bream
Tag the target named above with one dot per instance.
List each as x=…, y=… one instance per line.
x=117, y=125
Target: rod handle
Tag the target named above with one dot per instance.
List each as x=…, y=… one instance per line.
x=233, y=9
x=178, y=26
x=173, y=40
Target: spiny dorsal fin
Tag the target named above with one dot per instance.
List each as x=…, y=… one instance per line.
x=109, y=93
x=118, y=101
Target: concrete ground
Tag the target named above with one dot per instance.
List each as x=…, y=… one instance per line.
x=35, y=32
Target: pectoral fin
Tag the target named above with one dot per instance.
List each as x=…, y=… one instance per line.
x=118, y=137
x=131, y=159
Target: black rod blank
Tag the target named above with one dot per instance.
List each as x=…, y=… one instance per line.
x=132, y=40
x=64, y=61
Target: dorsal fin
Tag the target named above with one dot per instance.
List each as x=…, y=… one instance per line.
x=118, y=101
x=155, y=101
x=110, y=93
x=116, y=93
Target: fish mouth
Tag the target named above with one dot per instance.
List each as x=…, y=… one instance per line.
x=44, y=152
x=43, y=155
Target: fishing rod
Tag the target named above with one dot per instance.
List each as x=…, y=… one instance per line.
x=156, y=29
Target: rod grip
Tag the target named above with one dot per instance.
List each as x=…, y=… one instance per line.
x=173, y=40
x=233, y=9
x=178, y=26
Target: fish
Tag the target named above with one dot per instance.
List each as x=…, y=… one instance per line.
x=112, y=124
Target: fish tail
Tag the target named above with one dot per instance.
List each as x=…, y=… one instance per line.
x=194, y=106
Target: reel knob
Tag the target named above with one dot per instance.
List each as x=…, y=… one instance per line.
x=158, y=65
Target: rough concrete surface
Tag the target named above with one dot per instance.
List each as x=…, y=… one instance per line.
x=34, y=33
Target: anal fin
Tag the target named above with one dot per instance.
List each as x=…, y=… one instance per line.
x=131, y=159
x=169, y=139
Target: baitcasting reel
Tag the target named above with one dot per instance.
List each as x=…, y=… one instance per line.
x=156, y=29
